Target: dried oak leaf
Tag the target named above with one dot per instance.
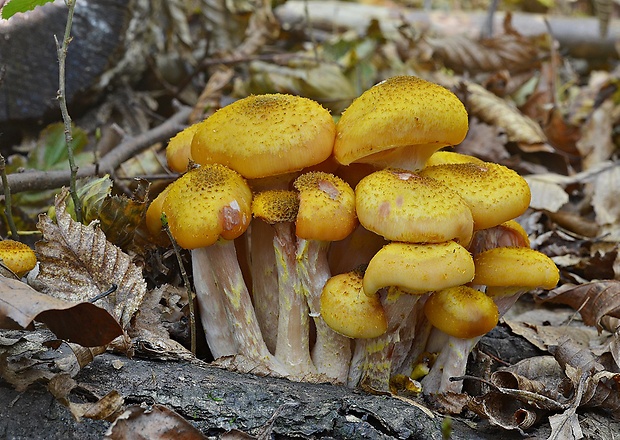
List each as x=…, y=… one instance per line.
x=77, y=263
x=593, y=300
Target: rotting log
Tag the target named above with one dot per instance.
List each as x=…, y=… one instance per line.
x=216, y=401
x=578, y=36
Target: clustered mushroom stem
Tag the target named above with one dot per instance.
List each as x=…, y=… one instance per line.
x=451, y=362
x=331, y=352
x=227, y=276
x=262, y=262
x=211, y=304
x=293, y=341
x=376, y=366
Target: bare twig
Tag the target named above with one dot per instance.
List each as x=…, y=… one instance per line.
x=39, y=180
x=188, y=286
x=62, y=56
x=8, y=211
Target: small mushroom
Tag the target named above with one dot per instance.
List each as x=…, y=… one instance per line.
x=399, y=123
x=207, y=208
x=18, y=257
x=326, y=213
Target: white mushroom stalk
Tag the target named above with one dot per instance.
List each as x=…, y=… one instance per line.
x=207, y=208
x=326, y=213
x=279, y=209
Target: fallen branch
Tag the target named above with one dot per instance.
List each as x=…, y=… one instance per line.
x=40, y=180
x=579, y=37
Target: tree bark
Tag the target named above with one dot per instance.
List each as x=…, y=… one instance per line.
x=216, y=401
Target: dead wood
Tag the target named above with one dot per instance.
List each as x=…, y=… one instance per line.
x=579, y=37
x=217, y=401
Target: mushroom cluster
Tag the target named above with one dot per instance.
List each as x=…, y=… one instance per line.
x=354, y=251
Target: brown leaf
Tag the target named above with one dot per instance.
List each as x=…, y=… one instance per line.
x=506, y=51
x=593, y=300
x=156, y=423
x=497, y=111
x=28, y=357
x=105, y=408
x=82, y=323
x=77, y=263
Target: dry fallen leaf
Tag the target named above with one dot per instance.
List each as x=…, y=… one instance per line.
x=78, y=264
x=155, y=423
x=497, y=111
x=81, y=323
x=593, y=300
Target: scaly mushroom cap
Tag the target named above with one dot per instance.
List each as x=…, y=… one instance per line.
x=494, y=193
x=506, y=269
x=179, y=149
x=403, y=206
x=419, y=268
x=275, y=206
x=266, y=135
x=443, y=157
x=400, y=122
x=348, y=311
x=207, y=203
x=153, y=213
x=17, y=256
x=461, y=312
x=326, y=207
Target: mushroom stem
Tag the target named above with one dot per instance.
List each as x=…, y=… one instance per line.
x=211, y=305
x=331, y=352
x=262, y=263
x=376, y=363
x=451, y=362
x=226, y=274
x=293, y=341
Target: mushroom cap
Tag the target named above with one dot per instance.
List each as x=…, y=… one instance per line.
x=326, y=207
x=461, y=312
x=493, y=192
x=443, y=157
x=154, y=211
x=275, y=206
x=17, y=256
x=347, y=310
x=519, y=267
x=266, y=135
x=207, y=203
x=402, y=111
x=179, y=149
x=419, y=268
x=403, y=206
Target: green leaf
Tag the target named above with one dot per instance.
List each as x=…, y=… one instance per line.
x=15, y=6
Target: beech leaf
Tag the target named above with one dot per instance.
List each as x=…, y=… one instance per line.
x=77, y=263
x=82, y=323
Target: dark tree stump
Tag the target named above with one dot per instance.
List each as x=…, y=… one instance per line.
x=29, y=63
